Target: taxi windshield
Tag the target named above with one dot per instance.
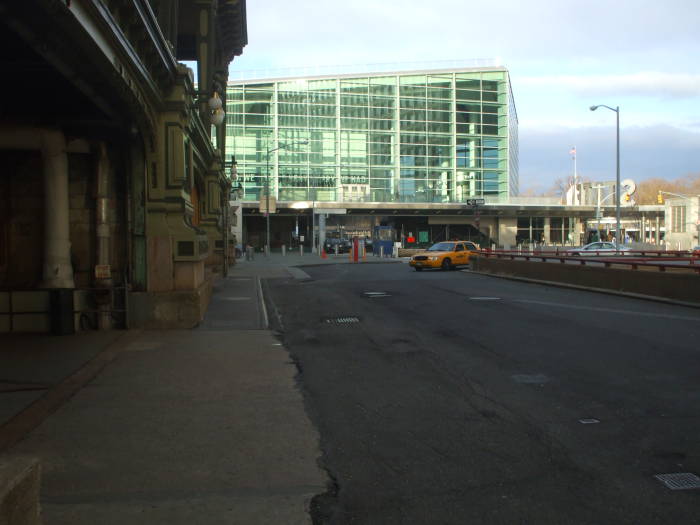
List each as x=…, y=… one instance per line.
x=442, y=247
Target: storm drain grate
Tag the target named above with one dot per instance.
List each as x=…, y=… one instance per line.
x=341, y=320
x=679, y=480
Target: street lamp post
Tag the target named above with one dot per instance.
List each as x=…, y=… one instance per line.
x=618, y=231
x=267, y=190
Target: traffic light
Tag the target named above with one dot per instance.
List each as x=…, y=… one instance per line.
x=627, y=197
x=660, y=198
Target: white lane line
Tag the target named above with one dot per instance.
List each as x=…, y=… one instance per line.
x=609, y=310
x=484, y=298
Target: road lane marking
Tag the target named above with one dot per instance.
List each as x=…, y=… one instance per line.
x=609, y=310
x=484, y=298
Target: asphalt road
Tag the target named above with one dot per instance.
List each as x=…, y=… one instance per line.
x=460, y=398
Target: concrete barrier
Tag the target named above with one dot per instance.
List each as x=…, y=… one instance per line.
x=683, y=287
x=20, y=479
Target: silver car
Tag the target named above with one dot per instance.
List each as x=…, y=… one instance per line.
x=599, y=248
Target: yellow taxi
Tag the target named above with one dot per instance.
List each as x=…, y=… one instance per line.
x=446, y=255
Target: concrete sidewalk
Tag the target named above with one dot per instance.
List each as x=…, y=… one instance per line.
x=185, y=426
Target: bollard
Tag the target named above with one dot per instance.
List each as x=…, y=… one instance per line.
x=381, y=251
x=284, y=250
x=301, y=249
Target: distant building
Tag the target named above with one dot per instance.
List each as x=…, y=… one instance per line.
x=382, y=139
x=682, y=221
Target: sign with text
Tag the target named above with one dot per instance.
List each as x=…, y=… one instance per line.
x=273, y=204
x=475, y=202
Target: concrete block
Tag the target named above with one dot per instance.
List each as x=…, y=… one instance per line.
x=20, y=481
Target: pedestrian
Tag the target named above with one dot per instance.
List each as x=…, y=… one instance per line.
x=249, y=252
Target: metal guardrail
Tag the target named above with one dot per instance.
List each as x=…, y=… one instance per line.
x=645, y=259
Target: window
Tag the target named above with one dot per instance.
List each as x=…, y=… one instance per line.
x=678, y=219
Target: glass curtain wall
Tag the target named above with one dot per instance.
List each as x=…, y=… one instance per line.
x=419, y=137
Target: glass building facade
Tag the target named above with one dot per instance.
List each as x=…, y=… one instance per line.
x=438, y=136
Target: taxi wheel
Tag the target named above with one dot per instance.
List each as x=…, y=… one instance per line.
x=418, y=269
x=446, y=264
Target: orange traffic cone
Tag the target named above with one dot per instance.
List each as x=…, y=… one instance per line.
x=323, y=254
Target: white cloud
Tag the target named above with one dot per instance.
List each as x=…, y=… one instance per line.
x=643, y=84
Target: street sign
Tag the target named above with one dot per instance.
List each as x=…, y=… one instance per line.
x=476, y=202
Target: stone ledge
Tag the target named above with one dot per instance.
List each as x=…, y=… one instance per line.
x=20, y=480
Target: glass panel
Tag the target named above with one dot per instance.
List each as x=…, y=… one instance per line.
x=436, y=127
x=322, y=122
x=439, y=93
x=385, y=113
x=354, y=123
x=381, y=124
x=322, y=98
x=258, y=95
x=354, y=100
x=299, y=84
x=295, y=121
x=353, y=111
x=413, y=149
x=463, y=94
x=412, y=91
x=321, y=85
x=382, y=85
x=381, y=160
x=410, y=125
x=382, y=102
x=321, y=110
x=412, y=80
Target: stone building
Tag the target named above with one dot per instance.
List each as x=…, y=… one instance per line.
x=113, y=198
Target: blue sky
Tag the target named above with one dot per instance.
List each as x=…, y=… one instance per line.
x=563, y=57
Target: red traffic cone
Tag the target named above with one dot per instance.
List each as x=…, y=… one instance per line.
x=323, y=254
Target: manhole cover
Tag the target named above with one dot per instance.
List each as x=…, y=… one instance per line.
x=341, y=320
x=679, y=480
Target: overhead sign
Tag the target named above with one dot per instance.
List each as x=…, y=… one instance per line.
x=476, y=202
x=332, y=211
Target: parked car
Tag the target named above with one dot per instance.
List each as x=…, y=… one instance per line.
x=599, y=248
x=696, y=251
x=446, y=255
x=344, y=245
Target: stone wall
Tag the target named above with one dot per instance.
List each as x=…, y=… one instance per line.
x=669, y=285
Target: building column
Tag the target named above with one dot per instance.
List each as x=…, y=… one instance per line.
x=547, y=229
x=58, y=270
